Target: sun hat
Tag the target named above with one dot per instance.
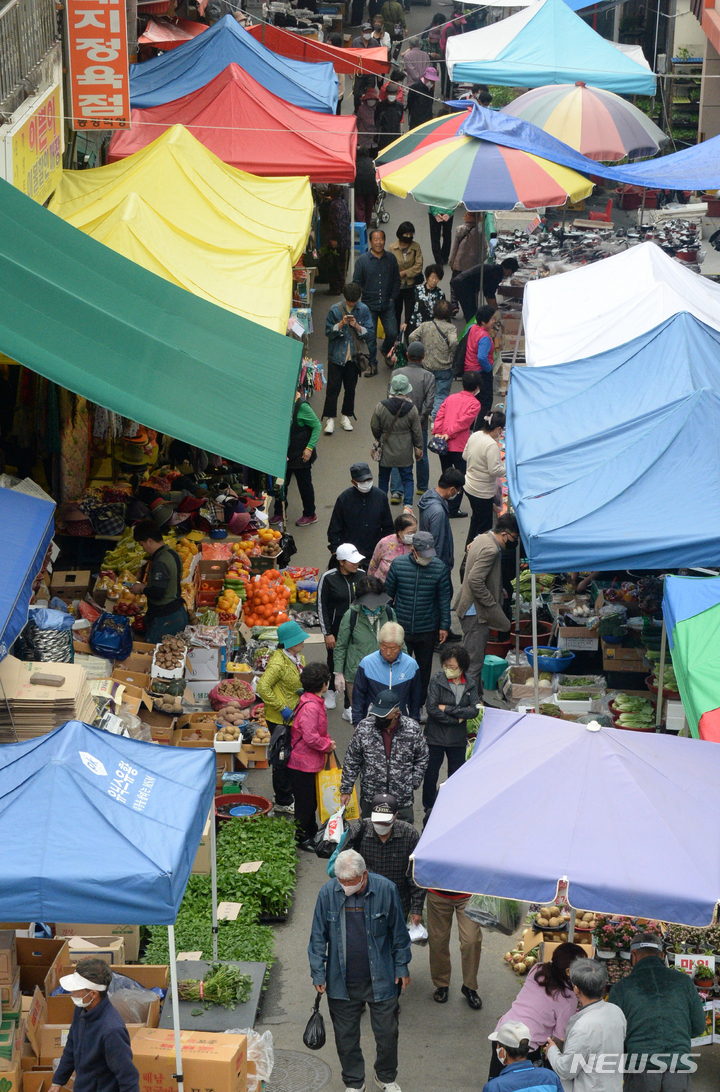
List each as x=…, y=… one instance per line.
x=290, y=633
x=431, y=74
x=76, y=981
x=399, y=384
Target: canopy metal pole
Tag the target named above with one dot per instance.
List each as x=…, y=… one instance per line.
x=482, y=259
x=642, y=209
x=661, y=673
x=178, y=1075
x=517, y=602
x=536, y=680
x=520, y=332
x=351, y=256
x=213, y=883
x=571, y=925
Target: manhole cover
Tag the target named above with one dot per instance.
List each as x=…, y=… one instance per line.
x=297, y=1072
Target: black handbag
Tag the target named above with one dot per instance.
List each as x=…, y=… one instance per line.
x=314, y=1035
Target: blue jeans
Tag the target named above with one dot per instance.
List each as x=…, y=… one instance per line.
x=406, y=476
x=443, y=383
x=390, y=326
x=422, y=471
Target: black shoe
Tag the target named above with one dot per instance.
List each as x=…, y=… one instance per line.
x=441, y=994
x=307, y=845
x=452, y=638
x=459, y=515
x=472, y=997
x=370, y=372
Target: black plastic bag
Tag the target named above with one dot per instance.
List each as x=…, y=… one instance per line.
x=323, y=848
x=314, y=1035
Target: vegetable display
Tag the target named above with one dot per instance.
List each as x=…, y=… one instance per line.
x=543, y=582
x=170, y=653
x=222, y=985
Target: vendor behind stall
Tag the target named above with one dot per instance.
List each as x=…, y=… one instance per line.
x=166, y=611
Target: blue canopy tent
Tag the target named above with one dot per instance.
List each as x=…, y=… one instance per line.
x=97, y=825
x=195, y=63
x=29, y=524
x=484, y=832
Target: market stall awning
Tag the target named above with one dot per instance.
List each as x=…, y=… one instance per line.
x=544, y=43
x=177, y=73
x=344, y=59
x=691, y=608
x=28, y=525
x=251, y=129
x=103, y=327
x=91, y=820
x=566, y=316
x=604, y=453
x=170, y=33
x=629, y=829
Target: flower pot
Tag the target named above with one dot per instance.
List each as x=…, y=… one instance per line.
x=498, y=648
x=624, y=955
x=543, y=629
x=704, y=984
x=605, y=953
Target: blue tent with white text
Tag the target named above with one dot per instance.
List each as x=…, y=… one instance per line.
x=28, y=525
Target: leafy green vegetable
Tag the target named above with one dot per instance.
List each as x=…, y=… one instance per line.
x=574, y=695
x=222, y=985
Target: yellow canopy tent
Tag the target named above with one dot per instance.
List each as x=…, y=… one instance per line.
x=177, y=210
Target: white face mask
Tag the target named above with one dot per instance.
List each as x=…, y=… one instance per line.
x=423, y=561
x=382, y=828
x=367, y=37
x=80, y=1003
x=348, y=891
x=364, y=487
x=407, y=539
x=391, y=98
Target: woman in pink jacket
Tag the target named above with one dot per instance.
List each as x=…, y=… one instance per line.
x=453, y=422
x=310, y=743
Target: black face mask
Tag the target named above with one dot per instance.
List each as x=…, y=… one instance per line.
x=383, y=722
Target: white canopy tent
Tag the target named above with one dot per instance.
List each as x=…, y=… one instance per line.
x=608, y=303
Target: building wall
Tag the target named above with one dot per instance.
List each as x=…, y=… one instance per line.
x=709, y=123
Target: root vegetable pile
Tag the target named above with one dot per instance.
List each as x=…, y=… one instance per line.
x=170, y=653
x=236, y=688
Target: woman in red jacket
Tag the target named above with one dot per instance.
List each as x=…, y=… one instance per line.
x=310, y=743
x=453, y=422
x=480, y=353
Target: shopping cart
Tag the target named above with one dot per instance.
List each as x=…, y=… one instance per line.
x=380, y=213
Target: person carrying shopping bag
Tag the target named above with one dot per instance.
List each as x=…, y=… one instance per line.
x=310, y=745
x=396, y=427
x=279, y=688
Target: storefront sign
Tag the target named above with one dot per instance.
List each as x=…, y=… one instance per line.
x=98, y=64
x=37, y=149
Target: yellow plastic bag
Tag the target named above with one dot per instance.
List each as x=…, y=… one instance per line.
x=327, y=788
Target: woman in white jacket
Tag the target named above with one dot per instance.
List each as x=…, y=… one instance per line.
x=484, y=466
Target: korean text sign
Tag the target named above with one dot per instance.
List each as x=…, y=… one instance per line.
x=98, y=64
x=36, y=149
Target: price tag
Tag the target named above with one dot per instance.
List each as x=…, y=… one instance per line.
x=250, y=866
x=194, y=956
x=228, y=911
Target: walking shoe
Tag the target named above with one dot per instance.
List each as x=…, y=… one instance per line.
x=472, y=997
x=441, y=994
x=392, y=1086
x=330, y=699
x=346, y=423
x=370, y=372
x=347, y=715
x=284, y=809
x=308, y=845
x=396, y=498
x=360, y=1089
x=454, y=515
x=329, y=427
x=420, y=492
x=305, y=521
x=275, y=520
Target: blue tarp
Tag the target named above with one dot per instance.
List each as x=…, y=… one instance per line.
x=500, y=827
x=99, y=826
x=28, y=526
x=695, y=168
x=613, y=461
x=195, y=63
x=553, y=45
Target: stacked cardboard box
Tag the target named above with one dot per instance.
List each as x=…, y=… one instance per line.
x=9, y=973
x=210, y=1061
x=27, y=710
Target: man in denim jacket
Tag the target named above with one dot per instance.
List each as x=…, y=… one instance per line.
x=359, y=953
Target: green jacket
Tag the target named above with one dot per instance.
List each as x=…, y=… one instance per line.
x=349, y=651
x=279, y=685
x=662, y=1008
x=392, y=13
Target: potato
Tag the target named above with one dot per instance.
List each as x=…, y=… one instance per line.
x=555, y=922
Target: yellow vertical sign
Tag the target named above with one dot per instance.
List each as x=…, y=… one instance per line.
x=37, y=149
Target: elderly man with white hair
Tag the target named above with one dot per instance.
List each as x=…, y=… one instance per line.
x=359, y=955
x=387, y=669
x=591, y=1059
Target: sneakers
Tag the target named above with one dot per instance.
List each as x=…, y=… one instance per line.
x=329, y=427
x=305, y=521
x=347, y=715
x=472, y=997
x=284, y=809
x=330, y=699
x=420, y=492
x=454, y=515
x=274, y=520
x=361, y=1089
x=346, y=423
x=370, y=372
x=391, y=1086
x=396, y=498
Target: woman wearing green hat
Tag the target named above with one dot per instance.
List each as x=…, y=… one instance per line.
x=396, y=425
x=280, y=688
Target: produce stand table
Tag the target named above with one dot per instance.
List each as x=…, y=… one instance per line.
x=216, y=1018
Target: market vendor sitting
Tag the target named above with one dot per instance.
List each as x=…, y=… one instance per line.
x=98, y=1047
x=166, y=611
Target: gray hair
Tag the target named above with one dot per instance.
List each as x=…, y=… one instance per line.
x=392, y=633
x=590, y=977
x=414, y=43
x=349, y=864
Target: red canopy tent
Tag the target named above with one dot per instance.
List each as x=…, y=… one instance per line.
x=249, y=128
x=370, y=62
x=167, y=33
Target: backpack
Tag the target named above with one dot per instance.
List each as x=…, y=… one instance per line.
x=458, y=364
x=354, y=617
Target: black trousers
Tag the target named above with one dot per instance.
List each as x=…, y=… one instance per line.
x=422, y=646
x=303, y=477
x=303, y=787
x=339, y=376
x=406, y=299
x=482, y=516
x=455, y=759
x=282, y=786
x=454, y=458
x=441, y=239
x=486, y=393
x=345, y=1016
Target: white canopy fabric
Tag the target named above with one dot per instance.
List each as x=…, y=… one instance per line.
x=600, y=306
x=634, y=52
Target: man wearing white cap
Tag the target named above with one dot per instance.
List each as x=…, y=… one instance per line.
x=513, y=1047
x=335, y=593
x=98, y=1047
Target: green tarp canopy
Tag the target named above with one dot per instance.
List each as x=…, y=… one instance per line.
x=101, y=326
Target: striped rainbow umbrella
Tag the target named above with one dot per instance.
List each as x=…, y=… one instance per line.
x=438, y=167
x=601, y=125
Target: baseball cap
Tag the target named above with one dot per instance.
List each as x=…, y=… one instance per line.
x=424, y=543
x=360, y=472
x=384, y=703
x=384, y=808
x=76, y=981
x=373, y=599
x=347, y=552
x=510, y=1034
x=366, y=26
x=416, y=350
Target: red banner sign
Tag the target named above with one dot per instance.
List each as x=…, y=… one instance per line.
x=98, y=64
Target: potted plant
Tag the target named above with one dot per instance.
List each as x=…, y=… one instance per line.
x=703, y=976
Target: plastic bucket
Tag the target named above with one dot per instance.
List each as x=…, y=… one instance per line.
x=493, y=668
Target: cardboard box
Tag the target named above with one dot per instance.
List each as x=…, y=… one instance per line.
x=617, y=658
x=12, y=1078
x=129, y=933
x=109, y=949
x=211, y=1062
x=8, y=955
x=204, y=664
x=205, y=571
x=137, y=679
x=16, y=1036
x=547, y=948
x=180, y=739
x=225, y=764
x=136, y=661
x=200, y=690
x=203, y=861
x=253, y=754
x=578, y=638
x=10, y=993
x=41, y=962
x=71, y=585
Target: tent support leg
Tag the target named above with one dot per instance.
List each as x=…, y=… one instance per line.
x=517, y=340
x=571, y=925
x=178, y=1075
x=482, y=260
x=351, y=255
x=517, y=602
x=536, y=680
x=642, y=210
x=661, y=676
x=213, y=876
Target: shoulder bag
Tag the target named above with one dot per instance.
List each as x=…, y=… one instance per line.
x=357, y=350
x=376, y=451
